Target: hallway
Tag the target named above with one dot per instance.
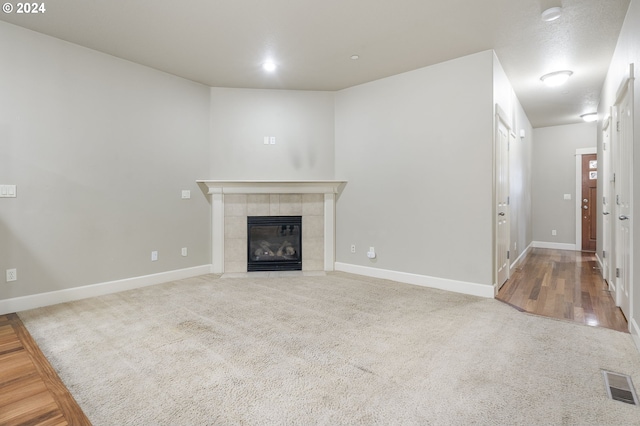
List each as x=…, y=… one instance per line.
x=563, y=284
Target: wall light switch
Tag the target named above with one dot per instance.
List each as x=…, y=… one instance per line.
x=266, y=140
x=186, y=194
x=567, y=196
x=154, y=256
x=184, y=251
x=8, y=191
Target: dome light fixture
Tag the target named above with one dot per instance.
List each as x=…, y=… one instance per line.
x=590, y=117
x=269, y=66
x=555, y=79
x=355, y=57
x=551, y=14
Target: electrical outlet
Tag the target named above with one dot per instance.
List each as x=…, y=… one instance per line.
x=553, y=232
x=184, y=251
x=371, y=254
x=12, y=275
x=186, y=194
x=353, y=248
x=154, y=256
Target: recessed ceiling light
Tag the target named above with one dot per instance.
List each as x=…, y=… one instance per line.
x=551, y=14
x=557, y=78
x=269, y=66
x=355, y=57
x=590, y=117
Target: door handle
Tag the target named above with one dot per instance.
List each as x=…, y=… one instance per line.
x=585, y=200
x=605, y=213
x=623, y=217
x=585, y=207
x=501, y=214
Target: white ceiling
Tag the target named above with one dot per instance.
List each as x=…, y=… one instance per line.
x=222, y=43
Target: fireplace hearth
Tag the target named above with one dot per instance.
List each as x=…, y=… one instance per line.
x=274, y=243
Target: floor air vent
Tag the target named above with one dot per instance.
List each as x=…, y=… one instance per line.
x=619, y=387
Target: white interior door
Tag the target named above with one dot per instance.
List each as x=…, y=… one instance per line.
x=607, y=205
x=624, y=215
x=502, y=198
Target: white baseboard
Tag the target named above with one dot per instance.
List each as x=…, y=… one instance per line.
x=557, y=246
x=515, y=263
x=600, y=264
x=473, y=289
x=634, y=329
x=23, y=303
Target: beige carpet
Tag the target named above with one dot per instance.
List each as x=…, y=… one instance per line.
x=333, y=350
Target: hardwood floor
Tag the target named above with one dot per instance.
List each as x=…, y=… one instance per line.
x=31, y=393
x=563, y=284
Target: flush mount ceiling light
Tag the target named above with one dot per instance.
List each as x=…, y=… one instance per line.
x=269, y=66
x=557, y=78
x=355, y=57
x=551, y=14
x=590, y=117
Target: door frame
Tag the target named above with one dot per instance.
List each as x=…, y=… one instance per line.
x=578, y=197
x=626, y=88
x=607, y=262
x=500, y=117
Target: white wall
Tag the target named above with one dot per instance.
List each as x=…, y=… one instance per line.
x=100, y=150
x=416, y=150
x=301, y=121
x=554, y=174
x=628, y=52
x=520, y=163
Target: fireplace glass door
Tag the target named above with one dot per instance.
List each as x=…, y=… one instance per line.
x=274, y=243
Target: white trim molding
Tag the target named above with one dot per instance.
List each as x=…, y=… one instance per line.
x=272, y=186
x=521, y=257
x=551, y=245
x=600, y=266
x=329, y=231
x=23, y=303
x=473, y=289
x=634, y=330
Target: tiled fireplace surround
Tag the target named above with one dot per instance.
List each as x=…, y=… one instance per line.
x=233, y=201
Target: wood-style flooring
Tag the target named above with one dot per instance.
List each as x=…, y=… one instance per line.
x=563, y=284
x=31, y=393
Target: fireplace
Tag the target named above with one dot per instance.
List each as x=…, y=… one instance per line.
x=233, y=201
x=274, y=243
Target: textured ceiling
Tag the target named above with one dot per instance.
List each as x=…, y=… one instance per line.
x=223, y=43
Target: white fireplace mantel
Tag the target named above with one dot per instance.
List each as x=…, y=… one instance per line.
x=272, y=186
x=218, y=188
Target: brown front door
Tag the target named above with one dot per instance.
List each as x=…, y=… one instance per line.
x=589, y=185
